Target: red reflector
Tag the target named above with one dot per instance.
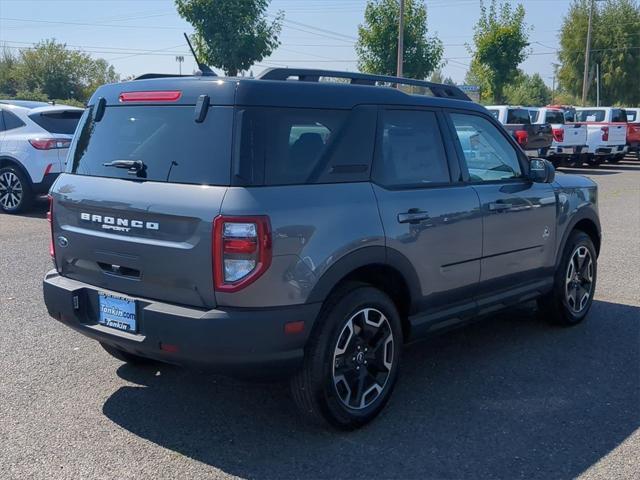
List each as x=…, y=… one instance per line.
x=52, y=250
x=153, y=96
x=169, y=348
x=238, y=245
x=293, y=328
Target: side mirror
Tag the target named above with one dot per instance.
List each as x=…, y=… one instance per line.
x=541, y=171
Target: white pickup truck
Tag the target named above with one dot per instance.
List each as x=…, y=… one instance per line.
x=606, y=133
x=569, y=139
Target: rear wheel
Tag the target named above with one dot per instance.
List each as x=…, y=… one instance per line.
x=351, y=362
x=126, y=357
x=574, y=283
x=16, y=194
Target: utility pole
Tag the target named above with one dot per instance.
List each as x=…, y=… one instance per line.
x=553, y=90
x=400, y=40
x=585, y=77
x=597, y=84
x=180, y=59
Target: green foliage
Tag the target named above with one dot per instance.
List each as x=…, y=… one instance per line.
x=529, y=90
x=500, y=40
x=50, y=71
x=231, y=34
x=377, y=45
x=614, y=46
x=438, y=77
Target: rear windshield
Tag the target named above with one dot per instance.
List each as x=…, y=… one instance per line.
x=58, y=122
x=591, y=115
x=171, y=144
x=518, y=115
x=555, y=116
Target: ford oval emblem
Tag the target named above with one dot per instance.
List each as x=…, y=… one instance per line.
x=63, y=242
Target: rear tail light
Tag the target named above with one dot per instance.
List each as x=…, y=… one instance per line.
x=605, y=134
x=522, y=137
x=52, y=250
x=241, y=251
x=558, y=134
x=49, y=143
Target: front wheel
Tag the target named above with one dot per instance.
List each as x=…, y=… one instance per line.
x=351, y=362
x=574, y=283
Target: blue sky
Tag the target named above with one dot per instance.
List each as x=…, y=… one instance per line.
x=139, y=36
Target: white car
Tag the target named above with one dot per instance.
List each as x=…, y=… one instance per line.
x=569, y=139
x=34, y=140
x=607, y=132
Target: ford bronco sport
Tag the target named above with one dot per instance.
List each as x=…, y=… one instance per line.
x=298, y=226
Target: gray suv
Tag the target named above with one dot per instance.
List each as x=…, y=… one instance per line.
x=306, y=224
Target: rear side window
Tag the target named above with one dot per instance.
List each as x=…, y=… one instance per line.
x=294, y=146
x=172, y=146
x=533, y=115
x=58, y=122
x=590, y=115
x=518, y=115
x=618, y=115
x=555, y=116
x=11, y=121
x=412, y=152
x=495, y=113
x=632, y=116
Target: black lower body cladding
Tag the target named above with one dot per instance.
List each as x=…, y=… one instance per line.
x=232, y=341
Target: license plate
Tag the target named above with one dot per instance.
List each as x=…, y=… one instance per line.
x=531, y=153
x=117, y=312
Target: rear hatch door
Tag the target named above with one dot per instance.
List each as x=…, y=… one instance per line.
x=60, y=122
x=144, y=231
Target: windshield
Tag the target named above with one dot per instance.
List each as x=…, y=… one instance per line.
x=171, y=145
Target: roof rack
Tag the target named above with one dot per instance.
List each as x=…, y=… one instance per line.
x=313, y=75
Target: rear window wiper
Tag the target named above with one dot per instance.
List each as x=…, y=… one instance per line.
x=135, y=167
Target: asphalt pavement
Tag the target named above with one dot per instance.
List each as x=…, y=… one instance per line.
x=510, y=397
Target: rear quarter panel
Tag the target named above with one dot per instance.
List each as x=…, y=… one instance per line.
x=313, y=227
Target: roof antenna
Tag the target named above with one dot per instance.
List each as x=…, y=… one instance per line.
x=204, y=69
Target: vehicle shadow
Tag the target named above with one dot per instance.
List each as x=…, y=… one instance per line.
x=503, y=398
x=38, y=209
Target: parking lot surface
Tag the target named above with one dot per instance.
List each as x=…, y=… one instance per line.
x=509, y=397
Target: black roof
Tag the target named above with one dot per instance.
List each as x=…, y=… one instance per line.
x=306, y=91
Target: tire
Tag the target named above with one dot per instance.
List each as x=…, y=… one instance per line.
x=595, y=161
x=342, y=357
x=126, y=357
x=16, y=194
x=574, y=283
x=615, y=159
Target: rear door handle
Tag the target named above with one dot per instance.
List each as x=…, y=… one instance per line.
x=413, y=216
x=498, y=206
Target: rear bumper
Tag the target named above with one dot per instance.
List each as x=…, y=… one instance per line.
x=233, y=341
x=608, y=150
x=567, y=150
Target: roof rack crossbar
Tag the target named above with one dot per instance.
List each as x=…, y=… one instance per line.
x=313, y=75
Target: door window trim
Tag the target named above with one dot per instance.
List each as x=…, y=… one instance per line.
x=520, y=155
x=447, y=144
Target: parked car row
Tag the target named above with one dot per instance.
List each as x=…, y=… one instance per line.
x=569, y=136
x=34, y=140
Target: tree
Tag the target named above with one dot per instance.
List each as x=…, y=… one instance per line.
x=49, y=67
x=614, y=47
x=528, y=90
x=49, y=71
x=231, y=34
x=500, y=39
x=377, y=45
x=438, y=77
